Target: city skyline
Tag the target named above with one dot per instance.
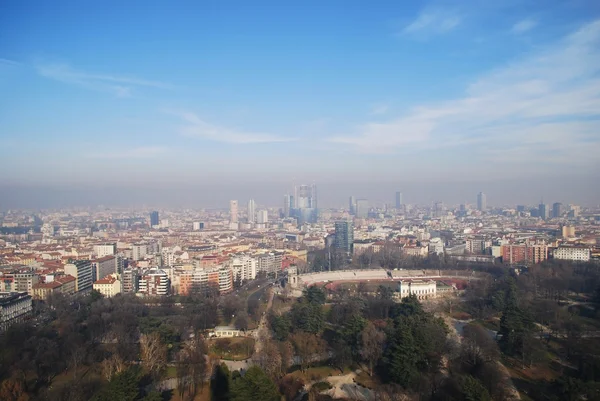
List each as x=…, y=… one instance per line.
x=504, y=95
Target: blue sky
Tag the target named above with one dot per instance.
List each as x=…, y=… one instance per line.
x=137, y=93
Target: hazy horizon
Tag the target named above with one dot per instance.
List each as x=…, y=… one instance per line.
x=127, y=104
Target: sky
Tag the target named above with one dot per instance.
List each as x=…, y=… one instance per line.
x=192, y=103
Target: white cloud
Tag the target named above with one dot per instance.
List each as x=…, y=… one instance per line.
x=433, y=21
x=198, y=128
x=523, y=26
x=546, y=106
x=120, y=86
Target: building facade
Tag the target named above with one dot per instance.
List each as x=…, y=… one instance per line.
x=82, y=271
x=14, y=308
x=574, y=253
x=344, y=236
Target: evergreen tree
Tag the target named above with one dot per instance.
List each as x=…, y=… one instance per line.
x=220, y=384
x=255, y=385
x=473, y=390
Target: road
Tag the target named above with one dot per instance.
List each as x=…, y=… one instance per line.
x=261, y=334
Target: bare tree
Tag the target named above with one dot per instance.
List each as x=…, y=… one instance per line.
x=192, y=366
x=269, y=359
x=372, y=345
x=153, y=353
x=112, y=366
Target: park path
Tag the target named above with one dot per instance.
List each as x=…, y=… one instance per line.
x=263, y=333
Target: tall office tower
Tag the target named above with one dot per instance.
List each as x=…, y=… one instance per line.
x=481, y=201
x=352, y=208
x=263, y=217
x=438, y=209
x=305, y=204
x=306, y=197
x=154, y=221
x=286, y=206
x=233, y=211
x=344, y=236
x=362, y=208
x=251, y=211
x=543, y=211
x=399, y=200
x=557, y=210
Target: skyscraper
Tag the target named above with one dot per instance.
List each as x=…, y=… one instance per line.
x=362, y=208
x=557, y=210
x=481, y=201
x=233, y=211
x=543, y=211
x=399, y=200
x=251, y=211
x=306, y=196
x=286, y=205
x=344, y=236
x=263, y=217
x=154, y=221
x=305, y=204
x=352, y=205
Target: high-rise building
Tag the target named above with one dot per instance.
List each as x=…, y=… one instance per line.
x=344, y=236
x=233, y=211
x=543, y=211
x=251, y=211
x=557, y=210
x=352, y=205
x=286, y=205
x=154, y=221
x=305, y=204
x=362, y=208
x=481, y=201
x=263, y=217
x=82, y=271
x=306, y=196
x=399, y=200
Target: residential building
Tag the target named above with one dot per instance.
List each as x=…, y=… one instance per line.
x=103, y=250
x=14, y=308
x=574, y=253
x=269, y=262
x=24, y=280
x=154, y=282
x=64, y=284
x=415, y=251
x=130, y=279
x=139, y=251
x=82, y=271
x=344, y=236
x=102, y=267
x=243, y=267
x=108, y=286
x=352, y=205
x=524, y=253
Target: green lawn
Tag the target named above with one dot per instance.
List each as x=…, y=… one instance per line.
x=232, y=349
